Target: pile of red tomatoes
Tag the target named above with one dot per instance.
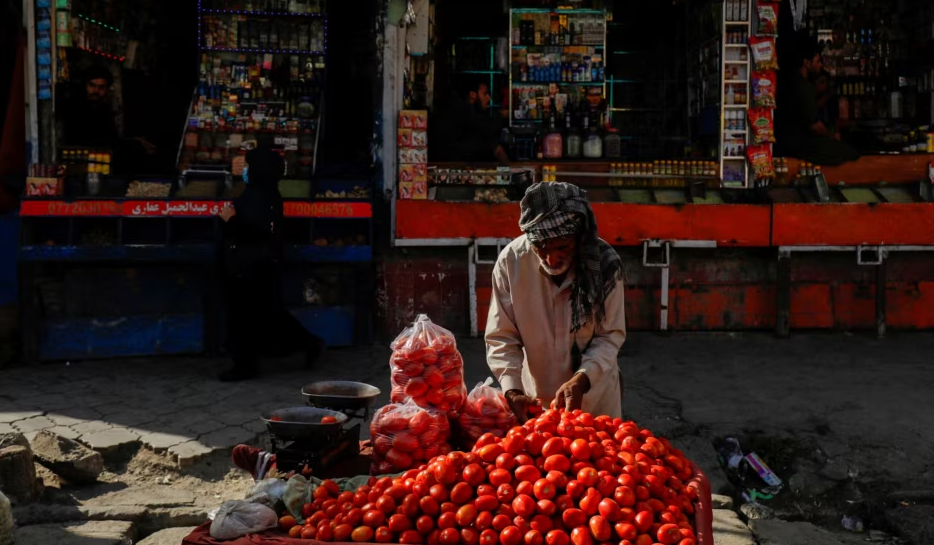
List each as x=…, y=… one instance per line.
x=562, y=478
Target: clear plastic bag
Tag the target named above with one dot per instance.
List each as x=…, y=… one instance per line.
x=426, y=367
x=406, y=435
x=486, y=411
x=237, y=518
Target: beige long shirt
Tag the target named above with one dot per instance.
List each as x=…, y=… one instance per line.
x=528, y=333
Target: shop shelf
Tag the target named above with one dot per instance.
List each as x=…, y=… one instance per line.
x=329, y=254
x=333, y=324
x=262, y=13
x=120, y=336
x=118, y=253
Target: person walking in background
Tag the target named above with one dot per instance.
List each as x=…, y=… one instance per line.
x=256, y=318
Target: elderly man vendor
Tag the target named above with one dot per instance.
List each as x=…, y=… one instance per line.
x=557, y=320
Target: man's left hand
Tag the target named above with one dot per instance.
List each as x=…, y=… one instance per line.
x=571, y=393
x=227, y=212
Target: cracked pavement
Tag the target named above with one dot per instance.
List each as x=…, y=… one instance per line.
x=846, y=391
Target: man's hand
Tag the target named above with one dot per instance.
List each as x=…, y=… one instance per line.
x=227, y=212
x=571, y=393
x=519, y=403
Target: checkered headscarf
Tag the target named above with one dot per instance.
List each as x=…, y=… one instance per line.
x=556, y=209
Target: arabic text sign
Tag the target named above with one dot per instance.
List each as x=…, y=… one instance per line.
x=171, y=208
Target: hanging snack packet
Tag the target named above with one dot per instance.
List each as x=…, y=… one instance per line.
x=763, y=52
x=760, y=161
x=763, y=89
x=768, y=17
x=762, y=124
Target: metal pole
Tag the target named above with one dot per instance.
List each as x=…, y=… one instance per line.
x=783, y=296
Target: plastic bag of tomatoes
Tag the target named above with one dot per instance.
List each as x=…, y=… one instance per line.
x=486, y=411
x=427, y=367
x=406, y=435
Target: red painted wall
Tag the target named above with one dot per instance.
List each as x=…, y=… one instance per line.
x=731, y=290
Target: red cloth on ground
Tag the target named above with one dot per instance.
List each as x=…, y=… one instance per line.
x=202, y=536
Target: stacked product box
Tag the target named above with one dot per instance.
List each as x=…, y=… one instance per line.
x=413, y=154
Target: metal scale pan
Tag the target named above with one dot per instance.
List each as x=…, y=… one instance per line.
x=341, y=395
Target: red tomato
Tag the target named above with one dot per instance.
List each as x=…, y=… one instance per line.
x=444, y=472
x=590, y=504
x=362, y=534
x=342, y=532
x=625, y=530
x=580, y=449
x=558, y=478
x=505, y=493
x=386, y=504
x=624, y=496
x=499, y=477
x=600, y=529
x=557, y=462
x=461, y=493
x=525, y=487
x=486, y=490
x=506, y=461
x=308, y=532
x=609, y=510
x=541, y=523
x=510, y=536
x=489, y=453
x=470, y=536
x=644, y=539
x=374, y=518
x=552, y=447
x=486, y=503
x=644, y=521
x=396, y=492
x=588, y=476
x=563, y=502
x=474, y=475
x=447, y=520
x=500, y=522
x=354, y=517
x=425, y=524
x=557, y=537
x=324, y=532
x=572, y=518
x=581, y=536
x=544, y=489
x=448, y=507
x=484, y=520
x=429, y=506
x=534, y=443
x=466, y=515
x=489, y=537
x=528, y=473
x=575, y=489
x=410, y=537
x=669, y=534
x=399, y=523
x=439, y=492
x=523, y=505
x=450, y=536
x=546, y=507
x=533, y=537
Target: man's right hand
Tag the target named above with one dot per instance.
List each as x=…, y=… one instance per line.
x=519, y=403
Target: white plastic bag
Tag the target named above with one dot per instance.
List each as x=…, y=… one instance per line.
x=275, y=488
x=6, y=521
x=237, y=518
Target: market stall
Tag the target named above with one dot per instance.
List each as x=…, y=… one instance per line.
x=580, y=104
x=456, y=471
x=119, y=251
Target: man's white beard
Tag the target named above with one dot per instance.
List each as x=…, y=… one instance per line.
x=555, y=272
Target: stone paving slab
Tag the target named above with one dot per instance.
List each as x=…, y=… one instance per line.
x=76, y=533
x=189, y=452
x=169, y=536
x=778, y=532
x=728, y=529
x=110, y=439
